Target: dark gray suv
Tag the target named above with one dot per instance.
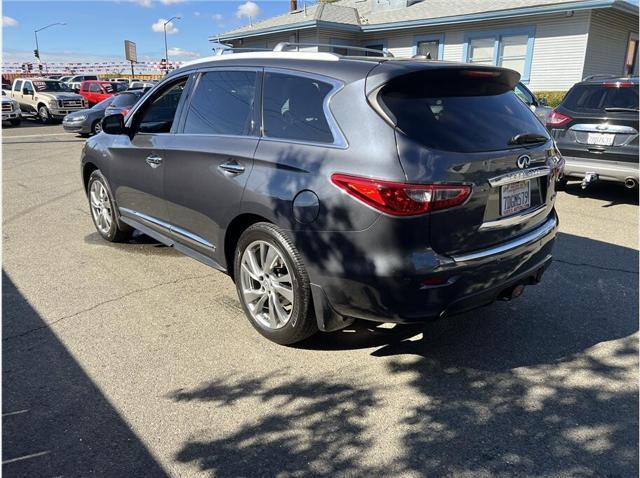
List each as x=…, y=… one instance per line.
x=333, y=188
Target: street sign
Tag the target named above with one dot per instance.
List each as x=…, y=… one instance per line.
x=130, y=51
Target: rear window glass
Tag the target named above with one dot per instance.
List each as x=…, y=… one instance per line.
x=125, y=99
x=293, y=108
x=598, y=97
x=462, y=115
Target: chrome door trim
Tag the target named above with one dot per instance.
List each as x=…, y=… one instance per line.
x=169, y=227
x=530, y=237
x=512, y=220
x=520, y=175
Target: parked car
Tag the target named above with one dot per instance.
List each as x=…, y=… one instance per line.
x=596, y=128
x=95, y=91
x=89, y=121
x=10, y=110
x=138, y=85
x=74, y=81
x=123, y=102
x=47, y=99
x=444, y=202
x=538, y=106
x=64, y=79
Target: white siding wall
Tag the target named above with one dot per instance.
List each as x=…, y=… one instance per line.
x=608, y=38
x=558, y=50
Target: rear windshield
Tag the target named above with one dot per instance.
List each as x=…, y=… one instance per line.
x=125, y=99
x=598, y=97
x=454, y=113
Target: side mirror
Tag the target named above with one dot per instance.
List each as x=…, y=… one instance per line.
x=113, y=124
x=543, y=102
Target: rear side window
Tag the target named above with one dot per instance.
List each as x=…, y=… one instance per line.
x=598, y=97
x=454, y=111
x=293, y=108
x=222, y=103
x=17, y=86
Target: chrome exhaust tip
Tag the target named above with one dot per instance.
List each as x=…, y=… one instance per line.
x=588, y=179
x=631, y=183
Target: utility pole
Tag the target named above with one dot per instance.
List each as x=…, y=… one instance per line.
x=166, y=49
x=36, y=52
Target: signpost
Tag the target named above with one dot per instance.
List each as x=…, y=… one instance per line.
x=130, y=54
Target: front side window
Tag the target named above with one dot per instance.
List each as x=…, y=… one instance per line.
x=222, y=103
x=158, y=115
x=18, y=85
x=103, y=104
x=27, y=87
x=293, y=108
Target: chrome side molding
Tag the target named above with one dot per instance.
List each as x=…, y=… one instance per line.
x=520, y=175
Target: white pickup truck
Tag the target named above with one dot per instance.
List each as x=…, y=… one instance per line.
x=48, y=99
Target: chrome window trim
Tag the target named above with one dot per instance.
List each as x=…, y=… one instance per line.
x=603, y=128
x=339, y=141
x=528, y=238
x=519, y=175
x=169, y=227
x=512, y=220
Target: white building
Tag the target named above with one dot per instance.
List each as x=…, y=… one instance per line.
x=552, y=43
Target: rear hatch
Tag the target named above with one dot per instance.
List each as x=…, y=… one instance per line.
x=602, y=122
x=465, y=125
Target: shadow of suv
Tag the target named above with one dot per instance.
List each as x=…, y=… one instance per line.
x=333, y=188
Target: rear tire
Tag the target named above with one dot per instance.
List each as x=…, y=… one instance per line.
x=273, y=285
x=103, y=210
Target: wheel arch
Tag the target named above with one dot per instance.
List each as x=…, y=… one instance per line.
x=87, y=169
x=235, y=229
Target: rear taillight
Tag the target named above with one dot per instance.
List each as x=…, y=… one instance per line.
x=124, y=111
x=402, y=199
x=556, y=119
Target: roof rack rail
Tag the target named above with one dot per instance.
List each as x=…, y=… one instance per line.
x=593, y=77
x=284, y=46
x=228, y=49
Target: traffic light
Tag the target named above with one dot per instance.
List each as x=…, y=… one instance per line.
x=36, y=53
x=40, y=67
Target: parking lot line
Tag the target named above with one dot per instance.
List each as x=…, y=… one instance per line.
x=34, y=135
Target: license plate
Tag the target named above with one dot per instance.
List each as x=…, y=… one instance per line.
x=515, y=197
x=603, y=139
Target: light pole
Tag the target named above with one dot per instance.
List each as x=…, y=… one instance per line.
x=166, y=50
x=35, y=32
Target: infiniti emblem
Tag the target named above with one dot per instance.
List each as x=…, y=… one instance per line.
x=524, y=161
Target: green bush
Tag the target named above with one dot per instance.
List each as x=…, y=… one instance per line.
x=553, y=97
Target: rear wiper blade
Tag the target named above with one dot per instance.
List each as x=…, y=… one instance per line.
x=614, y=109
x=526, y=138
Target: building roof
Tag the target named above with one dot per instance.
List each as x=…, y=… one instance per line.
x=365, y=15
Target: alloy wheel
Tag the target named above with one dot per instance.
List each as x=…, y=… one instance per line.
x=266, y=285
x=101, y=207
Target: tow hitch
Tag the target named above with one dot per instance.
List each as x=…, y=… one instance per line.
x=588, y=179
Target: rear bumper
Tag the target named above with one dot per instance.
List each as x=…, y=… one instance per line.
x=606, y=170
x=468, y=281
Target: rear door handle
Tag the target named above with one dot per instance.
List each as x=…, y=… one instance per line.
x=154, y=161
x=232, y=166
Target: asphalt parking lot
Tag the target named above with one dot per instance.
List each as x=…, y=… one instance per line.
x=133, y=360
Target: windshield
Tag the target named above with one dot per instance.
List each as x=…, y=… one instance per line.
x=103, y=104
x=599, y=97
x=50, y=85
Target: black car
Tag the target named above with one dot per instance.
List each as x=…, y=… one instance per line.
x=89, y=121
x=332, y=188
x=596, y=128
x=124, y=101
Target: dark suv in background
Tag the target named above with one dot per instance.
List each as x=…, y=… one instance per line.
x=596, y=128
x=333, y=188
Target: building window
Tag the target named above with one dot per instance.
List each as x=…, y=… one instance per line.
x=511, y=48
x=631, y=61
x=431, y=46
x=380, y=45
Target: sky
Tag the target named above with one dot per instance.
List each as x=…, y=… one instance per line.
x=95, y=30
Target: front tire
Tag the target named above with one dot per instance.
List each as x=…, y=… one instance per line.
x=96, y=127
x=43, y=114
x=273, y=285
x=103, y=210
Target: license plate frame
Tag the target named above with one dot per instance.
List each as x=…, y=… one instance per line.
x=521, y=192
x=600, y=139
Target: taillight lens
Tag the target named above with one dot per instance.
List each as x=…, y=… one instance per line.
x=124, y=112
x=557, y=119
x=402, y=199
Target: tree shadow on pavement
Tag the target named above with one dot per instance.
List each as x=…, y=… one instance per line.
x=315, y=427
x=56, y=422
